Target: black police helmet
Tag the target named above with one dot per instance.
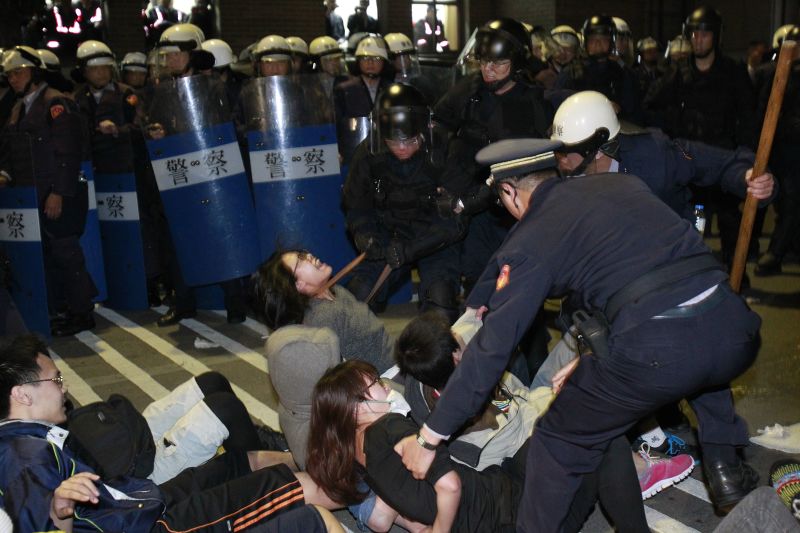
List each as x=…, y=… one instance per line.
x=504, y=38
x=403, y=112
x=704, y=18
x=599, y=25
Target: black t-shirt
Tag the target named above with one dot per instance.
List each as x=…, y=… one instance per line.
x=489, y=499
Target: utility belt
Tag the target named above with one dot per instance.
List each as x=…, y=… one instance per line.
x=593, y=327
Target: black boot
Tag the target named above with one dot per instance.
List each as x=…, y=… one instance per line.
x=728, y=483
x=73, y=324
x=173, y=316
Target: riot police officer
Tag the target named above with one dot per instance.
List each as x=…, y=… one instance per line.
x=356, y=96
x=53, y=76
x=299, y=53
x=328, y=60
x=600, y=73
x=390, y=209
x=406, y=64
x=649, y=273
x=53, y=122
x=272, y=57
x=499, y=102
x=707, y=98
x=648, y=67
x=133, y=68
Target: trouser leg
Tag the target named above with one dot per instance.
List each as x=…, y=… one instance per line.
x=439, y=282
x=657, y=362
x=67, y=268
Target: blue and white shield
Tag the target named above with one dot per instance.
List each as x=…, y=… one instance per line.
x=294, y=163
x=90, y=240
x=202, y=180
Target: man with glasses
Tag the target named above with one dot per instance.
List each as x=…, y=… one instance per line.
x=44, y=486
x=390, y=201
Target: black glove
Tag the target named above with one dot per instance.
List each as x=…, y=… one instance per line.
x=395, y=253
x=475, y=134
x=369, y=245
x=445, y=203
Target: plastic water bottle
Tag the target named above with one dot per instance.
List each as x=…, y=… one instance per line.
x=699, y=218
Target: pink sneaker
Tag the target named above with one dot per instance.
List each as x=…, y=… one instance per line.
x=662, y=473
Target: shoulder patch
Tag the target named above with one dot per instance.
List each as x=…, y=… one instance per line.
x=56, y=110
x=503, y=278
x=132, y=100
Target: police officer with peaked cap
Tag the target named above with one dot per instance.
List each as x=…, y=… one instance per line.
x=676, y=329
x=55, y=126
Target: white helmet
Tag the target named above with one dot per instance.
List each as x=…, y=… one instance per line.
x=372, y=47
x=325, y=45
x=94, y=54
x=579, y=118
x=50, y=60
x=678, y=45
x=21, y=56
x=622, y=27
x=565, y=36
x=648, y=43
x=271, y=48
x=222, y=52
x=298, y=46
x=399, y=43
x=181, y=37
x=134, y=61
x=780, y=34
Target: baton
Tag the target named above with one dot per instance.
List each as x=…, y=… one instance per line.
x=342, y=273
x=381, y=279
x=762, y=157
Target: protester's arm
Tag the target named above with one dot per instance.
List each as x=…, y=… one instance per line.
x=79, y=488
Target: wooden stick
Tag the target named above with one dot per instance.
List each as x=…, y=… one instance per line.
x=381, y=280
x=342, y=273
x=762, y=158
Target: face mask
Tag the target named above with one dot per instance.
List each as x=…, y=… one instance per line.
x=397, y=404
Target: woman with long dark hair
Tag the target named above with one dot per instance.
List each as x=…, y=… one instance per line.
x=355, y=425
x=292, y=287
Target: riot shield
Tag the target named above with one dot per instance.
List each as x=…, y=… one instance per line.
x=117, y=210
x=202, y=181
x=294, y=160
x=90, y=239
x=350, y=132
x=20, y=233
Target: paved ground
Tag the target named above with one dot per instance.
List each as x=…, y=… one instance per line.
x=128, y=354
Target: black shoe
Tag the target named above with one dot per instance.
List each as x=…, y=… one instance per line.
x=768, y=265
x=173, y=317
x=153, y=298
x=236, y=317
x=272, y=440
x=729, y=484
x=74, y=324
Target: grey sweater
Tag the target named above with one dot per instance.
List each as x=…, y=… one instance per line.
x=361, y=334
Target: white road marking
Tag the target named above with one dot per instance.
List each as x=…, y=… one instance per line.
x=76, y=386
x=255, y=407
x=121, y=364
x=661, y=523
x=694, y=487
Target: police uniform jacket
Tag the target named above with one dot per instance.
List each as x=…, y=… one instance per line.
x=352, y=98
x=668, y=167
x=716, y=106
x=588, y=236
x=387, y=199
x=118, y=104
x=56, y=133
x=615, y=81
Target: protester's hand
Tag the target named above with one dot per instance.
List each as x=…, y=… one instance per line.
x=52, y=206
x=107, y=127
x=479, y=312
x=415, y=458
x=560, y=377
x=79, y=488
x=761, y=186
x=395, y=253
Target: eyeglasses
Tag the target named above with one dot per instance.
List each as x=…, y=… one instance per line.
x=383, y=383
x=58, y=380
x=496, y=63
x=405, y=143
x=302, y=255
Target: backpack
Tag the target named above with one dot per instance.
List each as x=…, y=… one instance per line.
x=112, y=438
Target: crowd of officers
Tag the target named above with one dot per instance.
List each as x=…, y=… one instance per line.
x=414, y=194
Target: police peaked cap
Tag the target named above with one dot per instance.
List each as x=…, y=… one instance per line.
x=518, y=157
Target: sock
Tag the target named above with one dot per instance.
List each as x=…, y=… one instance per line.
x=654, y=437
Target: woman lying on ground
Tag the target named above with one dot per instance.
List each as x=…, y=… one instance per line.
x=352, y=438
x=291, y=287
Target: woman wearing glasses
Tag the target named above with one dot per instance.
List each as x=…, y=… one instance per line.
x=292, y=287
